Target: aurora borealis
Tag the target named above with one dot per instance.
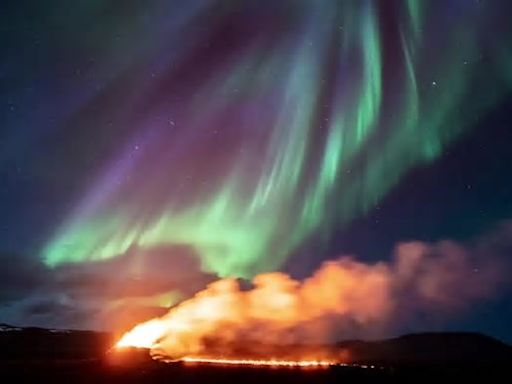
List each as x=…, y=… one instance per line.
x=310, y=120
x=245, y=132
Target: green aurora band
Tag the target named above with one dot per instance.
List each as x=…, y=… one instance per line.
x=304, y=126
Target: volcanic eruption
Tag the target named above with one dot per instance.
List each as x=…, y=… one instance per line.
x=285, y=322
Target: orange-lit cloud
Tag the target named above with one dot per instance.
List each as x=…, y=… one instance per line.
x=339, y=297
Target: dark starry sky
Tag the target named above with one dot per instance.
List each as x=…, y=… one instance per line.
x=115, y=115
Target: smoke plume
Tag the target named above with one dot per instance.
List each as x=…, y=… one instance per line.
x=340, y=299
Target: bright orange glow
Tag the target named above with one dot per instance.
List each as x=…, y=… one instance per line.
x=261, y=363
x=143, y=335
x=227, y=321
x=281, y=321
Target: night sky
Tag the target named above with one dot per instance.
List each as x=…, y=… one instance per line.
x=150, y=147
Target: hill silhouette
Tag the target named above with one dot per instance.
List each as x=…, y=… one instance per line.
x=81, y=356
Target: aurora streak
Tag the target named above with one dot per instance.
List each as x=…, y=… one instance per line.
x=303, y=119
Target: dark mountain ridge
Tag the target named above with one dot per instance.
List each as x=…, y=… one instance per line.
x=430, y=348
x=420, y=348
x=59, y=355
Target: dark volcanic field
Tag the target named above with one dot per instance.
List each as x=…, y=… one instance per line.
x=44, y=356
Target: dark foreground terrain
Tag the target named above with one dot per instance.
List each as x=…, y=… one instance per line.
x=38, y=355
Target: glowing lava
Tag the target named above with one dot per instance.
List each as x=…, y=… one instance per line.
x=146, y=335
x=261, y=363
x=142, y=336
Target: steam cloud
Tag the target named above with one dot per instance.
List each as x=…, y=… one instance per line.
x=340, y=299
